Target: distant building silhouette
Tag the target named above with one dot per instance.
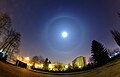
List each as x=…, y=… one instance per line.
x=79, y=62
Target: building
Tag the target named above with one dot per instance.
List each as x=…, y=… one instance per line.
x=79, y=62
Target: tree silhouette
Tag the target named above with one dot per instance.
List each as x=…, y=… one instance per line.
x=116, y=36
x=41, y=59
x=49, y=62
x=59, y=66
x=99, y=53
x=7, y=38
x=34, y=60
x=46, y=63
x=10, y=38
x=14, y=40
x=5, y=23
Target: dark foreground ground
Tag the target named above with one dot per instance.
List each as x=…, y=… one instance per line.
x=109, y=70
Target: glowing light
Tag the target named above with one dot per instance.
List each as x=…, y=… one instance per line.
x=64, y=34
x=1, y=50
x=80, y=66
x=27, y=58
x=36, y=65
x=51, y=67
x=66, y=66
x=29, y=64
x=110, y=56
x=41, y=65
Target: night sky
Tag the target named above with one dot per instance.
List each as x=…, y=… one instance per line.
x=42, y=21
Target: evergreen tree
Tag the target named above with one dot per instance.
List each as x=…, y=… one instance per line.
x=46, y=63
x=99, y=53
x=49, y=62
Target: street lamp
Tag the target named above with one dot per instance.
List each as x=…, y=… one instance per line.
x=66, y=66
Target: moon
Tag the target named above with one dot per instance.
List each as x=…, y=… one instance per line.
x=64, y=34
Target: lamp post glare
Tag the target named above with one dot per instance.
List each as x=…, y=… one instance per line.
x=66, y=66
x=27, y=58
